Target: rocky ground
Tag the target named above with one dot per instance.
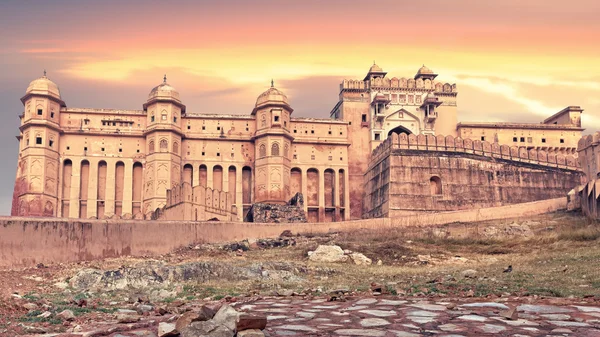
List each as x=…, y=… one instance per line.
x=410, y=282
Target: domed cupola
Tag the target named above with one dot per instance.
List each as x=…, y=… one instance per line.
x=45, y=87
x=272, y=96
x=425, y=73
x=164, y=92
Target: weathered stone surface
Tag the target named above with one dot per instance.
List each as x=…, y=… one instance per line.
x=247, y=322
x=187, y=318
x=207, y=329
x=330, y=254
x=250, y=333
x=167, y=329
x=127, y=318
x=292, y=212
x=360, y=259
x=510, y=313
x=227, y=316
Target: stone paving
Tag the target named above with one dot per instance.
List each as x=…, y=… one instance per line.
x=393, y=317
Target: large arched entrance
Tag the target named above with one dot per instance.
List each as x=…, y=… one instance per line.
x=398, y=130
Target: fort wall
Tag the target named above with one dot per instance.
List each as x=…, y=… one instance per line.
x=589, y=160
x=28, y=241
x=410, y=174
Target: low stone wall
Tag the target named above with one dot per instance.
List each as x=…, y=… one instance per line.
x=29, y=241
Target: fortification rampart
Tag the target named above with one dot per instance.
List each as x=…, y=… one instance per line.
x=424, y=174
x=28, y=241
x=588, y=150
x=476, y=147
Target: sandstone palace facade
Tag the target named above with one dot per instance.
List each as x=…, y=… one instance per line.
x=100, y=163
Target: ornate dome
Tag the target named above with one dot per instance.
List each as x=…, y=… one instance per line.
x=43, y=86
x=164, y=91
x=272, y=95
x=425, y=71
x=375, y=68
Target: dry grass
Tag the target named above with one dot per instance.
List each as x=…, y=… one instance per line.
x=559, y=260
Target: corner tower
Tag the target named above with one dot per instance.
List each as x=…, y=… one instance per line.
x=36, y=185
x=163, y=144
x=272, y=143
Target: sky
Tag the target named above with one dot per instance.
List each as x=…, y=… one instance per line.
x=512, y=60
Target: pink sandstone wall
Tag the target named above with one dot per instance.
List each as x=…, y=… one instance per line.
x=28, y=241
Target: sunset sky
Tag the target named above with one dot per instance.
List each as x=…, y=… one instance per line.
x=512, y=60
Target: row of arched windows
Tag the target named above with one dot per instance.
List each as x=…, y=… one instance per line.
x=262, y=150
x=163, y=146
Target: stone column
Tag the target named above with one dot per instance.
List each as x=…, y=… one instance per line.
x=128, y=188
x=238, y=192
x=305, y=188
x=347, y=194
x=209, y=175
x=336, y=194
x=75, y=183
x=321, y=194
x=109, y=205
x=195, y=174
x=92, y=203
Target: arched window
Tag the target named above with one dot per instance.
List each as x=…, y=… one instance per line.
x=263, y=122
x=262, y=151
x=164, y=145
x=286, y=150
x=175, y=147
x=275, y=149
x=436, y=185
x=151, y=147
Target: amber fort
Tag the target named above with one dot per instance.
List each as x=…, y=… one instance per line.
x=390, y=146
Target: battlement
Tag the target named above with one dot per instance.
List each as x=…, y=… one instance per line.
x=475, y=147
x=399, y=83
x=197, y=203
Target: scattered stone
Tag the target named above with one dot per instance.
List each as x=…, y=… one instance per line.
x=360, y=259
x=249, y=322
x=206, y=329
x=167, y=329
x=226, y=316
x=187, y=318
x=45, y=314
x=379, y=263
x=66, y=315
x=127, y=318
x=329, y=254
x=469, y=273
x=30, y=306
x=250, y=333
x=510, y=314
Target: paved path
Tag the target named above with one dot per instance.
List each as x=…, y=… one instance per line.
x=408, y=318
x=395, y=317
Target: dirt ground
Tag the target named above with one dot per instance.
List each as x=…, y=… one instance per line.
x=552, y=255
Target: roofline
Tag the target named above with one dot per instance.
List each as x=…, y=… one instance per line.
x=569, y=108
x=505, y=125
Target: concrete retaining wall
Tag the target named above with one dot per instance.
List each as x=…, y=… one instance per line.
x=28, y=241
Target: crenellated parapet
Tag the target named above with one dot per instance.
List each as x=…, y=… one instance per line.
x=453, y=144
x=406, y=84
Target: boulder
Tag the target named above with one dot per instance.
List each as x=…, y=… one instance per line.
x=30, y=306
x=248, y=322
x=167, y=329
x=227, y=317
x=188, y=318
x=206, y=329
x=469, y=273
x=329, y=254
x=66, y=315
x=127, y=318
x=360, y=259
